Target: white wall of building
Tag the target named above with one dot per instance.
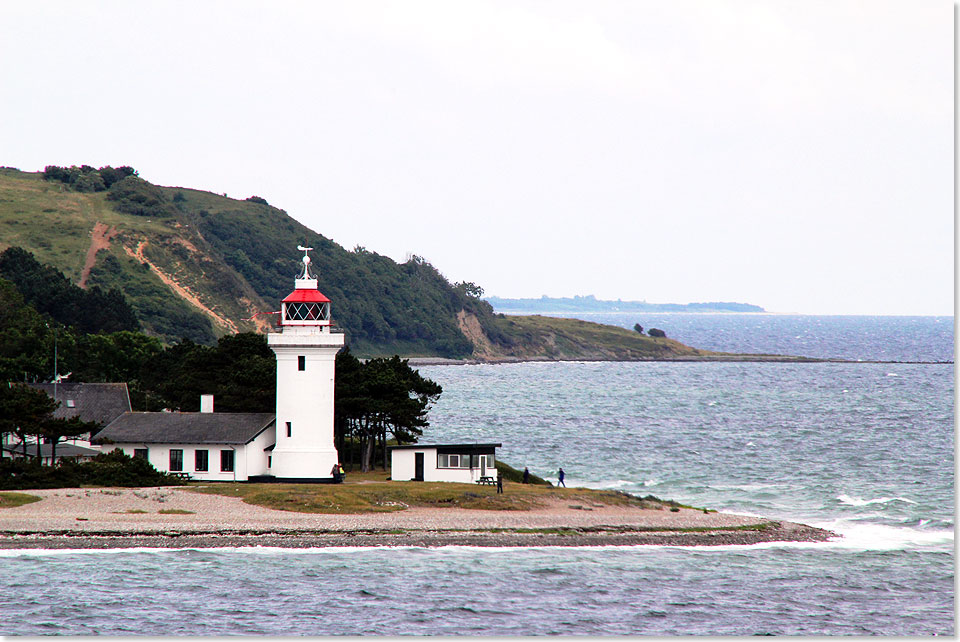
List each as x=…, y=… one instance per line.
x=403, y=467
x=248, y=459
x=305, y=402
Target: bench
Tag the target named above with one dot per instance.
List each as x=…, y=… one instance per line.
x=487, y=481
x=181, y=475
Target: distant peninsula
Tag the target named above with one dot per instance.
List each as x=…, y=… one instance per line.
x=590, y=303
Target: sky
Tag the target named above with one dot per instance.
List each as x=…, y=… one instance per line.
x=792, y=154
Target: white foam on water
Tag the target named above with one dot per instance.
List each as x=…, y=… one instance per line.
x=882, y=537
x=860, y=501
x=614, y=484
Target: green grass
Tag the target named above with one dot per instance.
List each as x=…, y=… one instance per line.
x=12, y=500
x=371, y=493
x=175, y=511
x=556, y=338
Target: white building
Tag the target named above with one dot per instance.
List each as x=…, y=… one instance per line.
x=465, y=463
x=306, y=351
x=295, y=444
x=207, y=446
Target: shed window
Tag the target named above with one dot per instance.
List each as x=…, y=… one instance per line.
x=301, y=363
x=462, y=461
x=176, y=460
x=226, y=461
x=200, y=460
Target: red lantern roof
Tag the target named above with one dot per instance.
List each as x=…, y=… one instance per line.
x=306, y=296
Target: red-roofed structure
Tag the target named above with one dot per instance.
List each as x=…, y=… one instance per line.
x=306, y=296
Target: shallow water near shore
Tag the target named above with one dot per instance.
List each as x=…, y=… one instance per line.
x=865, y=450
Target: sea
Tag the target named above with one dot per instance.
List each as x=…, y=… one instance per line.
x=864, y=448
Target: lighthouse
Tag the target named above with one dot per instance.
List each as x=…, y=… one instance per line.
x=306, y=352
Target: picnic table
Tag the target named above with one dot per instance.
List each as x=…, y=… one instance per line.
x=487, y=481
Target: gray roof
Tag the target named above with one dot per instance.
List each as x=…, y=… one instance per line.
x=64, y=450
x=185, y=428
x=101, y=402
x=466, y=447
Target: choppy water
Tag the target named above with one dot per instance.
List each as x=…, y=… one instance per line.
x=863, y=449
x=883, y=338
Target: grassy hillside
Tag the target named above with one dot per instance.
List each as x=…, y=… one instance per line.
x=196, y=264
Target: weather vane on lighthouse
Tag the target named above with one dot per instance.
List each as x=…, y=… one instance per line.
x=306, y=261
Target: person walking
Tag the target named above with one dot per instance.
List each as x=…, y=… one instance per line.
x=561, y=475
x=526, y=475
x=499, y=483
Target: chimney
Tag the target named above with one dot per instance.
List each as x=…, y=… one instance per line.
x=206, y=403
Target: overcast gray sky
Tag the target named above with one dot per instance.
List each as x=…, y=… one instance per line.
x=793, y=154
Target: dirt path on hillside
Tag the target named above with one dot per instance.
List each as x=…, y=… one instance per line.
x=99, y=240
x=184, y=292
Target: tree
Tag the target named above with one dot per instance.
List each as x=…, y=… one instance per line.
x=469, y=289
x=638, y=328
x=46, y=289
x=240, y=372
x=53, y=429
x=119, y=356
x=90, y=182
x=654, y=332
x=379, y=397
x=24, y=411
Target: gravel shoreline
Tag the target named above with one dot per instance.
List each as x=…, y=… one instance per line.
x=177, y=518
x=776, y=532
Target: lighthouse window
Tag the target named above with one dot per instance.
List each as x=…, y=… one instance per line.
x=226, y=461
x=289, y=429
x=301, y=363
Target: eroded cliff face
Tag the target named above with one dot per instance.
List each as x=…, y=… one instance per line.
x=483, y=349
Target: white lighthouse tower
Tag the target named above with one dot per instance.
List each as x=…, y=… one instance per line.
x=306, y=351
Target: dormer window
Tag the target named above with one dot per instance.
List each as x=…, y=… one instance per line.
x=71, y=403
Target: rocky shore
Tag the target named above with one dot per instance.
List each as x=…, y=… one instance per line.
x=177, y=518
x=776, y=532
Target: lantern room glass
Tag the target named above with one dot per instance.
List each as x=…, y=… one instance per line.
x=307, y=311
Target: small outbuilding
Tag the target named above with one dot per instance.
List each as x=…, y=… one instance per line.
x=465, y=463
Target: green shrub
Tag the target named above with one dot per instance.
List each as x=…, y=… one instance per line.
x=512, y=474
x=20, y=474
x=106, y=469
x=86, y=178
x=133, y=195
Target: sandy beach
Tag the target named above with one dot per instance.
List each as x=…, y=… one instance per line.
x=132, y=518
